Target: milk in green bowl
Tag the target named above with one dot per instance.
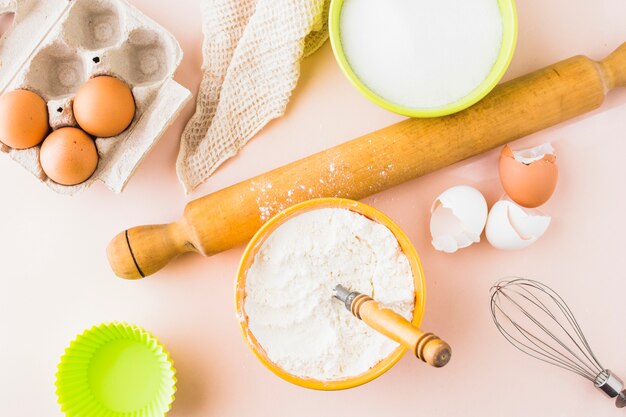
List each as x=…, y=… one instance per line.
x=423, y=57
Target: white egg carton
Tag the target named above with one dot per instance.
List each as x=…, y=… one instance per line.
x=54, y=46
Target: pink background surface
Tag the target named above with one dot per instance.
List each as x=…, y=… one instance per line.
x=55, y=281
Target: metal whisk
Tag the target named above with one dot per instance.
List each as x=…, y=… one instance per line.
x=536, y=320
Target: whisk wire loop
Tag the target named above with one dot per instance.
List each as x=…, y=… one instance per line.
x=533, y=328
x=571, y=320
x=537, y=352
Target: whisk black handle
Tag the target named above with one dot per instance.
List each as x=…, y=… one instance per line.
x=620, y=401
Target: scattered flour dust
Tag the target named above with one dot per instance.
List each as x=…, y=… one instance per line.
x=289, y=289
x=421, y=53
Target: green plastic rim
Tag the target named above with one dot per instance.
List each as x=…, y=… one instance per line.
x=115, y=370
x=509, y=40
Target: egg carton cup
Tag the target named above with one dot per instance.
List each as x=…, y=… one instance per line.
x=54, y=46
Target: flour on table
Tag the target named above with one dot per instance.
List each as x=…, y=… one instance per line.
x=289, y=289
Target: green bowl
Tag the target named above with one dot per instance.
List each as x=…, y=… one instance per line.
x=115, y=370
x=509, y=39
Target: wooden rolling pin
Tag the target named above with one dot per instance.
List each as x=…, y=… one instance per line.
x=425, y=346
x=373, y=162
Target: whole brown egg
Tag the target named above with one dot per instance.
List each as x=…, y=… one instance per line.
x=104, y=106
x=68, y=156
x=23, y=119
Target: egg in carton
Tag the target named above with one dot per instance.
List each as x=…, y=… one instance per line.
x=54, y=46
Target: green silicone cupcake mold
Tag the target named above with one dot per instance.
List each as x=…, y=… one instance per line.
x=115, y=370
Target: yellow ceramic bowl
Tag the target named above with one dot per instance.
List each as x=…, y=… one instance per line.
x=256, y=243
x=509, y=39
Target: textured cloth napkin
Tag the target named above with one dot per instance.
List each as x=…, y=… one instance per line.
x=251, y=63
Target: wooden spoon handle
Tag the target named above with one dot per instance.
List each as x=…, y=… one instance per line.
x=425, y=346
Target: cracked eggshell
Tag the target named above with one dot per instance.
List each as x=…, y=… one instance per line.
x=458, y=217
x=529, y=176
x=510, y=227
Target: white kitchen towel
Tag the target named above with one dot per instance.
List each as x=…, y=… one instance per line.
x=251, y=63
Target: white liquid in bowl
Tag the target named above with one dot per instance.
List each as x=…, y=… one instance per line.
x=421, y=54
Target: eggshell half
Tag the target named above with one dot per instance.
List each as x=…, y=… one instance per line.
x=458, y=217
x=529, y=176
x=510, y=227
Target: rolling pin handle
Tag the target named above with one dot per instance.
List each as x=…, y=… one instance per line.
x=141, y=251
x=614, y=68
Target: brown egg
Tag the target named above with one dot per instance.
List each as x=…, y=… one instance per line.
x=104, y=106
x=528, y=184
x=23, y=119
x=68, y=156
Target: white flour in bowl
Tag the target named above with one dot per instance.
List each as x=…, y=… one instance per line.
x=289, y=289
x=421, y=54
